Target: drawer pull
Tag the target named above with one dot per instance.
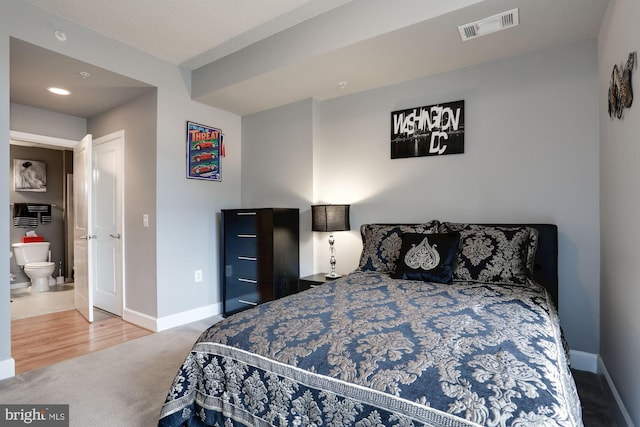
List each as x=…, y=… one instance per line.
x=245, y=213
x=247, y=302
x=242, y=279
x=247, y=236
x=247, y=258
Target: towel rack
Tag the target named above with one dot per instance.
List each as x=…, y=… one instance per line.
x=53, y=205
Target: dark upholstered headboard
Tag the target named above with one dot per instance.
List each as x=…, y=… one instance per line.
x=545, y=267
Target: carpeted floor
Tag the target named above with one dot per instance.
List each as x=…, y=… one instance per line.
x=126, y=385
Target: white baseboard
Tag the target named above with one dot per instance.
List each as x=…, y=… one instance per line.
x=140, y=319
x=7, y=368
x=584, y=361
x=167, y=322
x=614, y=391
x=189, y=316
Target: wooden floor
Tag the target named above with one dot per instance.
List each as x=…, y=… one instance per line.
x=51, y=338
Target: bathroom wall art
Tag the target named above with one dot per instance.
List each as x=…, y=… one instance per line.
x=205, y=145
x=29, y=175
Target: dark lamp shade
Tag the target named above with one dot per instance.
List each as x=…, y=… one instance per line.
x=330, y=218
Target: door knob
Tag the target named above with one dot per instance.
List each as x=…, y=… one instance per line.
x=115, y=236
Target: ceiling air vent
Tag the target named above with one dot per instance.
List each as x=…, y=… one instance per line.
x=489, y=25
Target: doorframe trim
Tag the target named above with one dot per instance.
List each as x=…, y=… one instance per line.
x=7, y=367
x=42, y=139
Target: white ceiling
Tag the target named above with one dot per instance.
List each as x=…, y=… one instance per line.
x=187, y=32
x=290, y=49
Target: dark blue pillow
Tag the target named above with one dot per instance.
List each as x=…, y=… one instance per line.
x=381, y=244
x=427, y=257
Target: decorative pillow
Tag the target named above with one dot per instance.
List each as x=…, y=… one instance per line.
x=381, y=244
x=427, y=257
x=494, y=254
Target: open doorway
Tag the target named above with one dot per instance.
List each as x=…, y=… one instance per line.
x=49, y=222
x=96, y=206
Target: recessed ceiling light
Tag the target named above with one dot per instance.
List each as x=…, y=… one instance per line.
x=58, y=91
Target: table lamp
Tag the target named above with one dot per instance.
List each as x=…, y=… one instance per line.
x=330, y=218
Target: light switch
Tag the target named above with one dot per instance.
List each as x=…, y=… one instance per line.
x=145, y=220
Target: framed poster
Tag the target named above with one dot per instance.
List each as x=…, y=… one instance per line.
x=29, y=175
x=433, y=130
x=203, y=152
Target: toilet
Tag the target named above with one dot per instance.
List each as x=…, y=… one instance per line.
x=33, y=258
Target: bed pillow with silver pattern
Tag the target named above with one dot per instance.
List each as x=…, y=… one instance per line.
x=494, y=254
x=427, y=257
x=381, y=244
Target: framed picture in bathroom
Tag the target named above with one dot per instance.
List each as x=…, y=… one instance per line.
x=29, y=175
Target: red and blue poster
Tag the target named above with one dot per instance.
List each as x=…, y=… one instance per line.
x=205, y=146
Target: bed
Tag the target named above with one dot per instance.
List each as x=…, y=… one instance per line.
x=442, y=324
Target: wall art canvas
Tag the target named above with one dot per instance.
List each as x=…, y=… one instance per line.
x=205, y=145
x=29, y=175
x=432, y=130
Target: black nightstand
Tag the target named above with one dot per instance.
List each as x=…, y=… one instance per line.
x=312, y=281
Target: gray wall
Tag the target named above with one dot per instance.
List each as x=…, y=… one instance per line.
x=49, y=123
x=531, y=155
x=277, y=165
x=620, y=210
x=138, y=120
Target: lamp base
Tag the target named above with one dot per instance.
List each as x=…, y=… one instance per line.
x=332, y=275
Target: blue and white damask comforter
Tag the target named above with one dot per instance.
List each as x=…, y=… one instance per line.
x=369, y=350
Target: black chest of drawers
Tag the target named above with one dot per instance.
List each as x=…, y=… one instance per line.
x=259, y=256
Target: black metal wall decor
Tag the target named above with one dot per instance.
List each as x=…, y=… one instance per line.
x=432, y=130
x=620, y=90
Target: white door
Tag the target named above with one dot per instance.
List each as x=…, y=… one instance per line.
x=82, y=231
x=107, y=279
